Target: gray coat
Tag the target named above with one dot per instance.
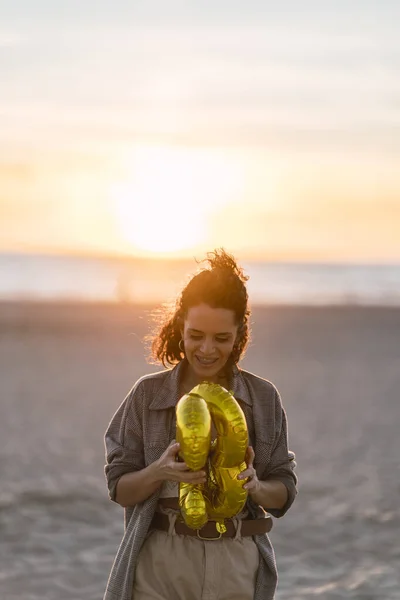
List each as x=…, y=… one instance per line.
x=144, y=426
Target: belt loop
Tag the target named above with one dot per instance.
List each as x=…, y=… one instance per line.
x=238, y=526
x=172, y=521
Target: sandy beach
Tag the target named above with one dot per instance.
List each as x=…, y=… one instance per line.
x=65, y=368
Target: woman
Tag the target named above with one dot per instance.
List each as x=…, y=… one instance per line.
x=159, y=557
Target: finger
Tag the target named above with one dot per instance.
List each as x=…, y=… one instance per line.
x=249, y=472
x=183, y=469
x=250, y=456
x=251, y=485
x=179, y=466
x=246, y=473
x=187, y=475
x=193, y=478
x=173, y=449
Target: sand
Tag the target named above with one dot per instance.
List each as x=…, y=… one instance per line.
x=64, y=369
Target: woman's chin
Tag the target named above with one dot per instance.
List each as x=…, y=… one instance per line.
x=206, y=372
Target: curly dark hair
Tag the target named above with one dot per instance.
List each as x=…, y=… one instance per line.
x=220, y=285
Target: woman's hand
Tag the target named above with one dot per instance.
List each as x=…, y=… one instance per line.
x=169, y=469
x=253, y=484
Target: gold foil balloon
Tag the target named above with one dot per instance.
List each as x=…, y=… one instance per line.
x=193, y=432
x=222, y=496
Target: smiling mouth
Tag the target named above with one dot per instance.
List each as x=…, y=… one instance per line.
x=206, y=362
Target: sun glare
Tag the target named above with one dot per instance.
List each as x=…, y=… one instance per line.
x=164, y=204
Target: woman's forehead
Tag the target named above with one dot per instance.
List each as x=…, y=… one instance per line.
x=207, y=318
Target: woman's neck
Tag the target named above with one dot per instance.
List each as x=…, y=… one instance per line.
x=190, y=379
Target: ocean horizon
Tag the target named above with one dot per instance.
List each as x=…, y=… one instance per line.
x=135, y=280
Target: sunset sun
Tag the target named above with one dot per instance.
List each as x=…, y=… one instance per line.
x=164, y=204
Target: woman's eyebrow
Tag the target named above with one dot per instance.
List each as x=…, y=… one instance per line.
x=198, y=331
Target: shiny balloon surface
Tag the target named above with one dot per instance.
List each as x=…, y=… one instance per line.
x=222, y=496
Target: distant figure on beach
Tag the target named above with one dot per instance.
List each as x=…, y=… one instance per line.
x=160, y=556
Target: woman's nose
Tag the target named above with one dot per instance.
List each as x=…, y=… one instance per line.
x=207, y=346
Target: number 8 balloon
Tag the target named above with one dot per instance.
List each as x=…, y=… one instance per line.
x=222, y=496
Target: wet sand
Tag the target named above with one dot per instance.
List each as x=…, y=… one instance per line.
x=64, y=369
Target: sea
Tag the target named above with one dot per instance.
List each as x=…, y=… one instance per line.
x=139, y=280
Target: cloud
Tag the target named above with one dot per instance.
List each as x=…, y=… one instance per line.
x=272, y=82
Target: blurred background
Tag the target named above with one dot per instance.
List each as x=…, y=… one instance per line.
x=134, y=138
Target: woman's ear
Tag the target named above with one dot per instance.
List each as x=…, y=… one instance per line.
x=180, y=325
x=237, y=342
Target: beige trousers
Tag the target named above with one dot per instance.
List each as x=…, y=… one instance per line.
x=179, y=567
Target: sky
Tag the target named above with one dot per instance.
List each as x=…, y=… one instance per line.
x=155, y=128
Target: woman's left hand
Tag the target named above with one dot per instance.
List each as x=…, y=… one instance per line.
x=253, y=484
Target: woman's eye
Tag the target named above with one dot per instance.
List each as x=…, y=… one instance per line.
x=199, y=337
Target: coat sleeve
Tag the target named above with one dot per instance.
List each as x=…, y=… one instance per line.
x=124, y=439
x=282, y=464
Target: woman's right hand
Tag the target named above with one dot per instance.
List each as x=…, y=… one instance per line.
x=169, y=469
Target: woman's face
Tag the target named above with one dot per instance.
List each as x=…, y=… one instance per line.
x=209, y=335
